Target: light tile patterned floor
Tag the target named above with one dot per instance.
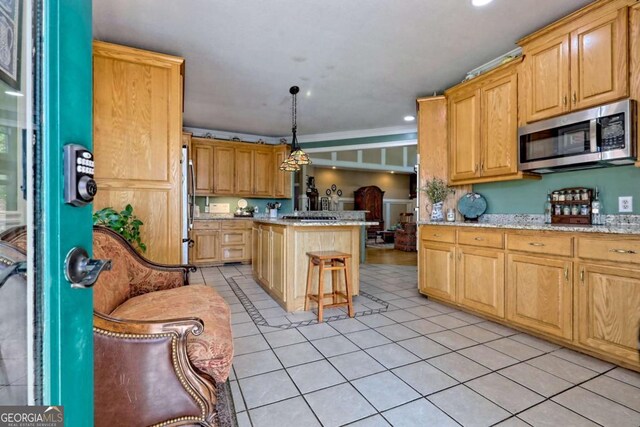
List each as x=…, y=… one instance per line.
x=407, y=361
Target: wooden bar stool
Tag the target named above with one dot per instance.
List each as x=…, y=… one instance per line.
x=335, y=262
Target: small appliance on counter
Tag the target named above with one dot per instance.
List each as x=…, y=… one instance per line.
x=472, y=206
x=571, y=206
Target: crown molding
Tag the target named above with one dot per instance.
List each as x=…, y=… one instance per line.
x=352, y=134
x=220, y=134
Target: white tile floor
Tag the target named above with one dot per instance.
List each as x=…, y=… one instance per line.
x=407, y=361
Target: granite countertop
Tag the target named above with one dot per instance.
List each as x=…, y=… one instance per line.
x=298, y=223
x=611, y=229
x=222, y=218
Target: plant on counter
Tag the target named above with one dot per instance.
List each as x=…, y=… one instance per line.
x=124, y=223
x=437, y=192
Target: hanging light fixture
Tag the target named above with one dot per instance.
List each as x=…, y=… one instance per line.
x=297, y=156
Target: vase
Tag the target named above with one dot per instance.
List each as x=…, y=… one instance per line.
x=436, y=212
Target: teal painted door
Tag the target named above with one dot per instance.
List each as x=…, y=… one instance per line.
x=67, y=345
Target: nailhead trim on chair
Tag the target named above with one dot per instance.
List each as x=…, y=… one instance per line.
x=174, y=357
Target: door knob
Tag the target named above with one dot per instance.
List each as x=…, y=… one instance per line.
x=82, y=271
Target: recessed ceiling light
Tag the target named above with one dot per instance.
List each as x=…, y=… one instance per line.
x=308, y=93
x=479, y=3
x=13, y=93
x=392, y=172
x=333, y=167
x=409, y=118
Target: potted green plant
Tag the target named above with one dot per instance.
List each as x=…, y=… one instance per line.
x=437, y=192
x=124, y=223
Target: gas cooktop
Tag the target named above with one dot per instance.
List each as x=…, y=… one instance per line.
x=311, y=218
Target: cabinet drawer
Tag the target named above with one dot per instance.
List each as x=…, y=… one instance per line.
x=234, y=253
x=614, y=250
x=234, y=237
x=236, y=224
x=541, y=244
x=485, y=239
x=206, y=225
x=438, y=234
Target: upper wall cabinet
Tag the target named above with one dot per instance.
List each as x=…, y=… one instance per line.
x=224, y=168
x=579, y=62
x=483, y=127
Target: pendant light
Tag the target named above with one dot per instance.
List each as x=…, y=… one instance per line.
x=297, y=156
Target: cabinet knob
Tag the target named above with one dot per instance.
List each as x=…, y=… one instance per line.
x=564, y=101
x=536, y=244
x=575, y=98
x=566, y=273
x=479, y=239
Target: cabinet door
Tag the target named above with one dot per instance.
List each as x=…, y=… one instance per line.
x=277, y=261
x=464, y=127
x=243, y=174
x=500, y=126
x=265, y=264
x=202, y=155
x=539, y=294
x=223, y=168
x=437, y=270
x=599, y=61
x=282, y=184
x=480, y=280
x=263, y=173
x=255, y=251
x=547, y=74
x=609, y=310
x=207, y=246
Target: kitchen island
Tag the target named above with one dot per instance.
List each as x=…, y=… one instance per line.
x=279, y=255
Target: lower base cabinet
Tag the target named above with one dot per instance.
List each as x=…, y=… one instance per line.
x=269, y=258
x=206, y=244
x=581, y=290
x=608, y=301
x=539, y=294
x=480, y=280
x=437, y=270
x=216, y=242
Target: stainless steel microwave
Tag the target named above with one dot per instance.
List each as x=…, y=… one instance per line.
x=592, y=138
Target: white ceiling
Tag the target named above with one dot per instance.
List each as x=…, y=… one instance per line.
x=364, y=62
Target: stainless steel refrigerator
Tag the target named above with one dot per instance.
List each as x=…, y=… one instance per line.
x=188, y=202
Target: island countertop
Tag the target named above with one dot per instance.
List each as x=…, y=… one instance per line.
x=316, y=223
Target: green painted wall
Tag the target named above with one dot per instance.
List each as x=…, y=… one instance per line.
x=358, y=141
x=529, y=196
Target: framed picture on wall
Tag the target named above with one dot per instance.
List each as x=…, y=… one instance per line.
x=10, y=24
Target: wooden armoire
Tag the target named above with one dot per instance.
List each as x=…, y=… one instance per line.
x=137, y=132
x=371, y=199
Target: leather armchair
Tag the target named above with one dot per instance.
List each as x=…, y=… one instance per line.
x=405, y=237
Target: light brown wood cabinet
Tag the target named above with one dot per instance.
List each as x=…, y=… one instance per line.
x=539, y=294
x=206, y=245
x=483, y=127
x=244, y=177
x=581, y=290
x=256, y=242
x=608, y=310
x=578, y=62
x=263, y=171
x=202, y=157
x=480, y=280
x=437, y=270
x=219, y=242
x=282, y=180
x=269, y=259
x=224, y=168
x=137, y=137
